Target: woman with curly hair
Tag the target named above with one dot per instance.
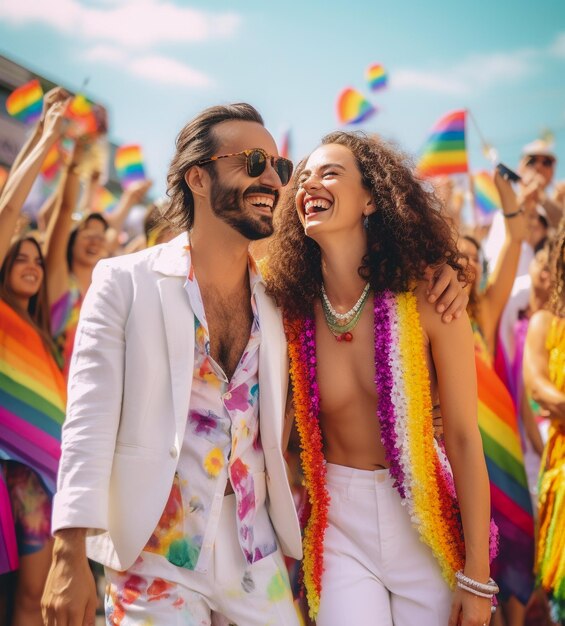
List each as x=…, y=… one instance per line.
x=369, y=360
x=544, y=379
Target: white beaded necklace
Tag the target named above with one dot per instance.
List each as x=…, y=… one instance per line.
x=352, y=310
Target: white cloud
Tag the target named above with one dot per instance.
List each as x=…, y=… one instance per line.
x=557, y=48
x=475, y=73
x=104, y=53
x=169, y=71
x=157, y=68
x=436, y=82
x=143, y=23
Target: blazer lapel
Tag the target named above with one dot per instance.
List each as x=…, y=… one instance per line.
x=178, y=320
x=273, y=371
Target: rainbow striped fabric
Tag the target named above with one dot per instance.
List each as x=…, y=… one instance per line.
x=445, y=151
x=510, y=498
x=25, y=102
x=32, y=410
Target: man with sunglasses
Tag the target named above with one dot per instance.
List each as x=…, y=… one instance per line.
x=172, y=468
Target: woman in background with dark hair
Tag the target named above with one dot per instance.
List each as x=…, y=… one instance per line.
x=369, y=359
x=32, y=392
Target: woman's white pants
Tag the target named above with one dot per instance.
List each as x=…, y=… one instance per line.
x=377, y=572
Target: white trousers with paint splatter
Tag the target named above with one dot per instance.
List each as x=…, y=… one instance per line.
x=377, y=571
x=154, y=591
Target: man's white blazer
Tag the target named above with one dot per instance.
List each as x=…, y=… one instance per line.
x=129, y=391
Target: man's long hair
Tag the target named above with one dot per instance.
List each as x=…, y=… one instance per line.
x=406, y=234
x=197, y=142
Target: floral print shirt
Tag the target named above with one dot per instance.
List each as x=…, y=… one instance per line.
x=221, y=443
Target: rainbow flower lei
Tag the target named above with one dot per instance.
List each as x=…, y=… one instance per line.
x=405, y=414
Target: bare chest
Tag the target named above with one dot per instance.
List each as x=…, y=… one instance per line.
x=345, y=370
x=229, y=327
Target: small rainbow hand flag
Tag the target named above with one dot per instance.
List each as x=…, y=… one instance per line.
x=25, y=102
x=376, y=76
x=104, y=201
x=444, y=152
x=487, y=199
x=284, y=148
x=82, y=119
x=353, y=107
x=129, y=165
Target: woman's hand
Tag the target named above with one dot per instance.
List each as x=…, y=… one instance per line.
x=467, y=609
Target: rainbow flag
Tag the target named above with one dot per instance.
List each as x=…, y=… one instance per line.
x=376, y=76
x=104, y=201
x=81, y=117
x=353, y=107
x=510, y=498
x=487, y=200
x=129, y=165
x=25, y=102
x=32, y=409
x=444, y=151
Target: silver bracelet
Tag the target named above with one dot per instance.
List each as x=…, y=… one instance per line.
x=490, y=587
x=474, y=591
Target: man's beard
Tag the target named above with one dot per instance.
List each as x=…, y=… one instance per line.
x=228, y=205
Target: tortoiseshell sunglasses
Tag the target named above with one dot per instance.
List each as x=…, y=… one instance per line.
x=256, y=162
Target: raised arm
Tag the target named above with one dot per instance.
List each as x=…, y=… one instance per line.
x=536, y=372
x=57, y=94
x=503, y=274
x=452, y=350
x=21, y=180
x=59, y=229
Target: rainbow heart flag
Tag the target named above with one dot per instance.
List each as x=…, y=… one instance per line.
x=353, y=107
x=32, y=410
x=129, y=165
x=25, y=102
x=376, y=76
x=510, y=498
x=444, y=151
x=486, y=198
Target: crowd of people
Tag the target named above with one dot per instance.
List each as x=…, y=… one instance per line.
x=151, y=389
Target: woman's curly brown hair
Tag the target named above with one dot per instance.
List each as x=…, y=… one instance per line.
x=406, y=234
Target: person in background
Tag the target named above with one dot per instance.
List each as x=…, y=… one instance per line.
x=544, y=380
x=32, y=388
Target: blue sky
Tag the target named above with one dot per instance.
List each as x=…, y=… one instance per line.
x=156, y=63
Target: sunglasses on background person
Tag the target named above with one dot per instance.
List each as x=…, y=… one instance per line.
x=544, y=160
x=256, y=162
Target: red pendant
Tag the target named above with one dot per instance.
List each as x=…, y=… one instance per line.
x=344, y=337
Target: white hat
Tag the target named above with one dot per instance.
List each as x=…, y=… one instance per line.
x=539, y=147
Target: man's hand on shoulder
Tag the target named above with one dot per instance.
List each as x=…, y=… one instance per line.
x=69, y=597
x=445, y=290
